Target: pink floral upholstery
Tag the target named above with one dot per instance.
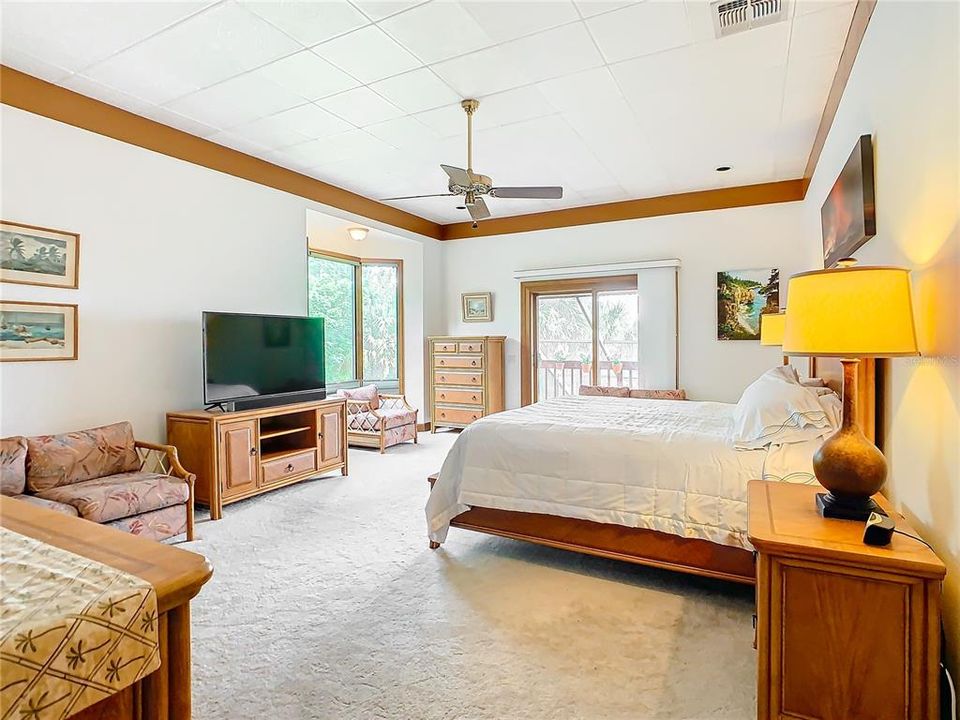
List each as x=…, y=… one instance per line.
x=400, y=434
x=48, y=504
x=600, y=390
x=659, y=394
x=391, y=418
x=13, y=465
x=366, y=393
x=121, y=495
x=57, y=460
x=156, y=524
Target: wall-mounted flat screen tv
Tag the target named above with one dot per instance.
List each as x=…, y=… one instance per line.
x=261, y=356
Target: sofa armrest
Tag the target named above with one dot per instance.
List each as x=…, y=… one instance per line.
x=161, y=454
x=355, y=407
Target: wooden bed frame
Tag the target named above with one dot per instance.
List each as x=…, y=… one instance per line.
x=650, y=547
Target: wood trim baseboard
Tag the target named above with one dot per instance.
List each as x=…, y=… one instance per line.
x=37, y=96
x=699, y=201
x=423, y=427
x=851, y=48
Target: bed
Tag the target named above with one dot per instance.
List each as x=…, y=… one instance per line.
x=646, y=481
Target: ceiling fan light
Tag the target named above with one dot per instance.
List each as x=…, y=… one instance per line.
x=357, y=233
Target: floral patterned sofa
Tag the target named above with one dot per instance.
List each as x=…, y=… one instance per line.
x=375, y=419
x=104, y=475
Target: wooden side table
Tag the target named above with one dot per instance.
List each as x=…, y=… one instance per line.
x=844, y=630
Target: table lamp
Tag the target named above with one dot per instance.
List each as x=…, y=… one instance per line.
x=850, y=312
x=771, y=329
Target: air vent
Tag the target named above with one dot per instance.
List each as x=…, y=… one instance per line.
x=735, y=16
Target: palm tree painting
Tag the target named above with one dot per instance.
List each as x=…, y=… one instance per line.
x=38, y=256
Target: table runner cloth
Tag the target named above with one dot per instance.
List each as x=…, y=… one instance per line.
x=72, y=630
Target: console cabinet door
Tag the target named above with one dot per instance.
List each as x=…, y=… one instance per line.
x=238, y=457
x=331, y=442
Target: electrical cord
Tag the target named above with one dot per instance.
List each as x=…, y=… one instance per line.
x=918, y=539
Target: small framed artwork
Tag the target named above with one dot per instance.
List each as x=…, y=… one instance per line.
x=848, y=217
x=31, y=255
x=37, y=331
x=477, y=307
x=742, y=297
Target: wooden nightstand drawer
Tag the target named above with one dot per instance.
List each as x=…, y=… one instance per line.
x=457, y=361
x=444, y=347
x=460, y=416
x=461, y=397
x=470, y=347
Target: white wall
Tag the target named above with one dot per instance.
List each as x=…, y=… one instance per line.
x=904, y=91
x=328, y=233
x=161, y=240
x=706, y=242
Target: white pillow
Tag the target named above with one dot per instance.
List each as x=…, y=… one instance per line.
x=776, y=409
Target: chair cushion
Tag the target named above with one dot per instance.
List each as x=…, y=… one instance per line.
x=121, y=495
x=369, y=422
x=48, y=504
x=680, y=394
x=156, y=524
x=13, y=465
x=56, y=460
x=365, y=393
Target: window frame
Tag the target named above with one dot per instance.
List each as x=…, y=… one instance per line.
x=358, y=263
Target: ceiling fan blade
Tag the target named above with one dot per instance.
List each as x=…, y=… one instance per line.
x=458, y=176
x=478, y=211
x=544, y=193
x=415, y=197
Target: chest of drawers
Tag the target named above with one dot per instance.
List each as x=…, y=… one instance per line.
x=466, y=379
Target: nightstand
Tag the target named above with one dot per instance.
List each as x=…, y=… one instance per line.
x=844, y=630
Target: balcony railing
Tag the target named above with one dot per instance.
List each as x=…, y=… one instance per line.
x=556, y=378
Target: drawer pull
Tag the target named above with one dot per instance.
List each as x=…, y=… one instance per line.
x=443, y=396
x=473, y=380
x=253, y=451
x=443, y=378
x=288, y=468
x=474, y=397
x=473, y=362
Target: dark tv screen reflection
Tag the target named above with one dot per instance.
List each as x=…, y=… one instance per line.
x=246, y=356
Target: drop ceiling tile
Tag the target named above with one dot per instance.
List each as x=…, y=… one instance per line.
x=504, y=21
x=481, y=73
x=238, y=142
x=649, y=27
x=589, y=8
x=360, y=106
x=591, y=90
x=212, y=46
x=351, y=144
x=73, y=35
x=310, y=120
x=808, y=6
x=98, y=91
x=270, y=133
x=416, y=91
x=822, y=32
x=404, y=132
x=379, y=9
x=553, y=53
x=512, y=106
x=27, y=63
x=236, y=101
x=437, y=30
x=368, y=54
x=447, y=121
x=310, y=22
x=178, y=121
x=308, y=75
x=807, y=85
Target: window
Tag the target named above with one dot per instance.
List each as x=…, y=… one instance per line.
x=361, y=302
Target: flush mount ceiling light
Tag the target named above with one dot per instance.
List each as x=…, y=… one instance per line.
x=357, y=233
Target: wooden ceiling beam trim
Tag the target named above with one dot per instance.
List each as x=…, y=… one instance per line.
x=37, y=96
x=719, y=199
x=851, y=48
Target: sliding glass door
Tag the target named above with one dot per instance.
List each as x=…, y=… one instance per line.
x=565, y=348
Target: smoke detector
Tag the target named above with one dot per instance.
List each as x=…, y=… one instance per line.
x=736, y=16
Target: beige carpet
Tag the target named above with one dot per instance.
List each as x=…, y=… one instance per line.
x=326, y=603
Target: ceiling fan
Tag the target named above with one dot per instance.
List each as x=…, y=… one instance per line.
x=473, y=186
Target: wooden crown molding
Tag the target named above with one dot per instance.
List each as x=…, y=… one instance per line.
x=37, y=96
x=851, y=47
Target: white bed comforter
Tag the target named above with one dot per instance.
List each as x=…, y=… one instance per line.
x=655, y=464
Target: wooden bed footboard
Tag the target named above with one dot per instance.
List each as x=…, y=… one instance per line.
x=634, y=545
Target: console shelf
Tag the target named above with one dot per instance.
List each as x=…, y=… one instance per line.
x=239, y=454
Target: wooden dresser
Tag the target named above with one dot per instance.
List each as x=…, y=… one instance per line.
x=466, y=379
x=239, y=454
x=844, y=630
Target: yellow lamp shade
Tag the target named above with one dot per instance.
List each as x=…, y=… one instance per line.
x=771, y=328
x=850, y=312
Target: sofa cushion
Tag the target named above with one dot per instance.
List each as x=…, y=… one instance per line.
x=156, y=524
x=13, y=465
x=365, y=393
x=365, y=421
x=680, y=394
x=55, y=460
x=600, y=390
x=48, y=504
x=121, y=495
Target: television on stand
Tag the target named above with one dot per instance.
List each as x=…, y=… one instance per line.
x=252, y=361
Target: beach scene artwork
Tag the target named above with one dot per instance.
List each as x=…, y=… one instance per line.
x=742, y=297
x=38, y=256
x=37, y=331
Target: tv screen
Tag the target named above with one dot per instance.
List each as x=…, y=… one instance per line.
x=247, y=356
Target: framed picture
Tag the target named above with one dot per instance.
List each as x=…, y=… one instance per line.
x=32, y=255
x=37, y=331
x=477, y=307
x=742, y=297
x=848, y=217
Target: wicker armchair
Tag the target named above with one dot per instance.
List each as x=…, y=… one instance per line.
x=390, y=423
